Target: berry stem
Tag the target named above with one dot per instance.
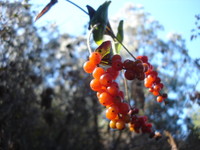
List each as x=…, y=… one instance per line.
x=126, y=89
x=88, y=39
x=110, y=32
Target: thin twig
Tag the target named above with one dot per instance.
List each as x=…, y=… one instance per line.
x=88, y=39
x=126, y=89
x=109, y=30
x=77, y=6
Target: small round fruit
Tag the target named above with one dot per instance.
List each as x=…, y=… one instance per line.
x=106, y=79
x=124, y=108
x=95, y=57
x=98, y=71
x=112, y=124
x=95, y=85
x=117, y=65
x=129, y=74
x=120, y=124
x=160, y=99
x=112, y=112
x=89, y=66
x=105, y=99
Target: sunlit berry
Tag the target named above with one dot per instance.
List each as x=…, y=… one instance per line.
x=113, y=89
x=112, y=124
x=106, y=79
x=120, y=124
x=112, y=112
x=95, y=85
x=98, y=71
x=95, y=57
x=105, y=99
x=89, y=66
x=160, y=99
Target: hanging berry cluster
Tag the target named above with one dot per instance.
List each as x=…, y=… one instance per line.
x=109, y=94
x=143, y=70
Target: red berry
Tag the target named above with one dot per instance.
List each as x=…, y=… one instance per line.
x=129, y=74
x=117, y=65
x=128, y=64
x=117, y=99
x=164, y=95
x=106, y=79
x=121, y=94
x=140, y=76
x=143, y=58
x=113, y=89
x=157, y=80
x=116, y=58
x=113, y=72
x=124, y=108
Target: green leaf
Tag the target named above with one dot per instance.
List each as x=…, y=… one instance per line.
x=100, y=18
x=91, y=11
x=120, y=37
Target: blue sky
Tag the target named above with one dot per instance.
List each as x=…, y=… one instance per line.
x=174, y=15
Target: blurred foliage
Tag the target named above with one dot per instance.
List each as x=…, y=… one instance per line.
x=196, y=30
x=45, y=99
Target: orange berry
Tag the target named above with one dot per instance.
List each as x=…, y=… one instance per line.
x=89, y=66
x=120, y=124
x=95, y=57
x=106, y=79
x=95, y=85
x=98, y=71
x=160, y=99
x=105, y=99
x=112, y=112
x=112, y=124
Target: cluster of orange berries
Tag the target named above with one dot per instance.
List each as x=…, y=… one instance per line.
x=109, y=95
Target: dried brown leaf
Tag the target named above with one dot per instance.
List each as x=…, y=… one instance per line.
x=46, y=9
